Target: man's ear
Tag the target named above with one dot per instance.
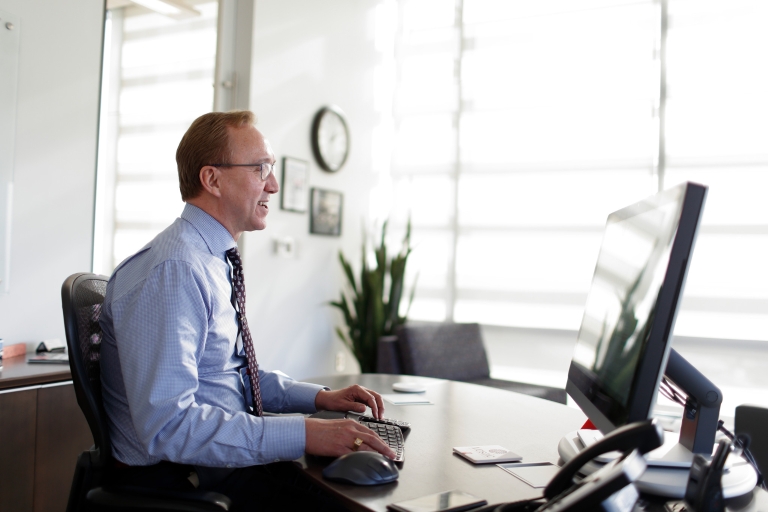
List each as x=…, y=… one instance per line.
x=209, y=179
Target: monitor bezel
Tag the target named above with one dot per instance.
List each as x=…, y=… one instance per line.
x=654, y=361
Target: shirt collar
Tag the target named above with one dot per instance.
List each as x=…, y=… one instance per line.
x=216, y=236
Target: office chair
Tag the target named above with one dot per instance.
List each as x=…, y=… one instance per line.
x=456, y=351
x=82, y=296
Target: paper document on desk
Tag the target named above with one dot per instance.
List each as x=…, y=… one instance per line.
x=535, y=474
x=401, y=399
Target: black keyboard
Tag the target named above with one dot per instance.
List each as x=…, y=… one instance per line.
x=391, y=431
x=390, y=434
x=404, y=425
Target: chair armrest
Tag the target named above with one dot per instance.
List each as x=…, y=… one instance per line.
x=132, y=498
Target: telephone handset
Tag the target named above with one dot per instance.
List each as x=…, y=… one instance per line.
x=611, y=481
x=607, y=489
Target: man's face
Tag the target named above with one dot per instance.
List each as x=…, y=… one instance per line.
x=244, y=195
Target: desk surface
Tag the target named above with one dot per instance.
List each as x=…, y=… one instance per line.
x=463, y=415
x=467, y=414
x=18, y=373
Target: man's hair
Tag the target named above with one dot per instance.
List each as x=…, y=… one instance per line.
x=206, y=142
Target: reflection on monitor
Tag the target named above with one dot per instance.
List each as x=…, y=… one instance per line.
x=623, y=342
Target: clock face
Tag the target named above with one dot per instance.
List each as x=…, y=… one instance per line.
x=330, y=139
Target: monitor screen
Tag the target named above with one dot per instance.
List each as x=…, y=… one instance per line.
x=623, y=342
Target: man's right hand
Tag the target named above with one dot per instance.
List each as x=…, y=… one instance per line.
x=336, y=437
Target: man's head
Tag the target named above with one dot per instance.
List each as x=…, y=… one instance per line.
x=206, y=142
x=219, y=161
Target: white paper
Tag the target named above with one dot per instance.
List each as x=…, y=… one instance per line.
x=535, y=474
x=401, y=399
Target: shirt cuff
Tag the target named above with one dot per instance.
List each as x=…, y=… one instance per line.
x=284, y=438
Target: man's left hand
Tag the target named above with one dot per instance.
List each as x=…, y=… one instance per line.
x=353, y=398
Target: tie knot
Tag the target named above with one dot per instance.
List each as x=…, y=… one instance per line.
x=234, y=256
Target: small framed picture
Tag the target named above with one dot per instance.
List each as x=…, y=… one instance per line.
x=294, y=193
x=325, y=218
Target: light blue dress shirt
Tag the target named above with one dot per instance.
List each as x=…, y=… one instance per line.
x=172, y=367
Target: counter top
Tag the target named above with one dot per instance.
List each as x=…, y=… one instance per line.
x=17, y=373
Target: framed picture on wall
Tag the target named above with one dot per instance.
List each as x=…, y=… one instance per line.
x=294, y=193
x=325, y=216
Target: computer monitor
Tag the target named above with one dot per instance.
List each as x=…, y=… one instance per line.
x=624, y=341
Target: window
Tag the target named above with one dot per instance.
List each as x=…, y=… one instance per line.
x=158, y=77
x=518, y=126
x=716, y=133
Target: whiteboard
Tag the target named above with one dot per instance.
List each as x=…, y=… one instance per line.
x=10, y=29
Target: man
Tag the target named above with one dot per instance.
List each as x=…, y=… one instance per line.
x=177, y=355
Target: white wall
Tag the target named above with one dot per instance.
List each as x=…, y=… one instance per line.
x=55, y=160
x=307, y=54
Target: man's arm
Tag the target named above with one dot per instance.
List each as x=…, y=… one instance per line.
x=337, y=437
x=282, y=394
x=352, y=398
x=326, y=437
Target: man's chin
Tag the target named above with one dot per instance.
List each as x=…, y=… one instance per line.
x=258, y=226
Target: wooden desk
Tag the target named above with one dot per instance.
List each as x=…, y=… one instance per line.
x=463, y=414
x=467, y=414
x=18, y=373
x=42, y=431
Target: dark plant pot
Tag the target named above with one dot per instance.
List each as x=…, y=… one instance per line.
x=388, y=355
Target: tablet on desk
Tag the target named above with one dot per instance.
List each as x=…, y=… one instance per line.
x=449, y=501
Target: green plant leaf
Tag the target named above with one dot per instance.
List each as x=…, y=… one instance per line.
x=348, y=271
x=410, y=299
x=343, y=305
x=372, y=307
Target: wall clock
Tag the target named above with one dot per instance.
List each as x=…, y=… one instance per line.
x=330, y=138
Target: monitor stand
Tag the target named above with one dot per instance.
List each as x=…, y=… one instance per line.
x=671, y=454
x=667, y=473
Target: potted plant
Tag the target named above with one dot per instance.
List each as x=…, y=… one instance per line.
x=371, y=305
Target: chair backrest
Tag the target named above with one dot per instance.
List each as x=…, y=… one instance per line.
x=82, y=296
x=443, y=350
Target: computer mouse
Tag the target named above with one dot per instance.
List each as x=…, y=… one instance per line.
x=362, y=468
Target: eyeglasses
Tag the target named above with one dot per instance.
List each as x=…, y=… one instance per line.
x=264, y=169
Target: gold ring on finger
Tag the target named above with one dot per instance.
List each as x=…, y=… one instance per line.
x=358, y=444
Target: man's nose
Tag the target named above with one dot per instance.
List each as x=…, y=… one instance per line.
x=272, y=186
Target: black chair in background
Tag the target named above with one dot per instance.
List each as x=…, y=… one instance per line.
x=82, y=296
x=450, y=351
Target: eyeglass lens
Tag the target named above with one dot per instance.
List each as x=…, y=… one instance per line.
x=266, y=170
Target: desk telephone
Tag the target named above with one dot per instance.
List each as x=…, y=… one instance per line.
x=610, y=488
